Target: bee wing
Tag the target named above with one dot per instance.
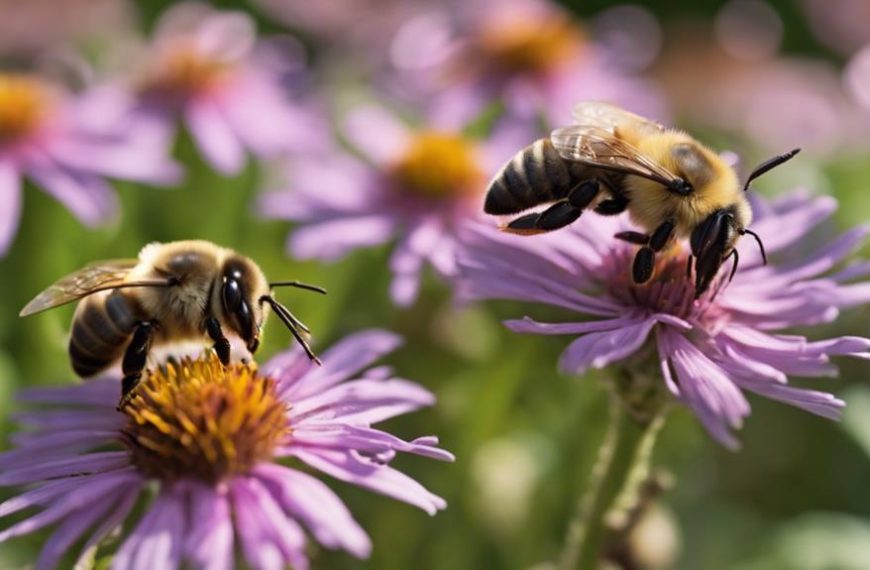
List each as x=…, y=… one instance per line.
x=94, y=277
x=608, y=117
x=599, y=147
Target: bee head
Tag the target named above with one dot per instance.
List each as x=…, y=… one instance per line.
x=712, y=243
x=239, y=287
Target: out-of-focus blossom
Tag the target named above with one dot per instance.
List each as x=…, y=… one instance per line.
x=710, y=350
x=416, y=188
x=36, y=26
x=749, y=29
x=778, y=102
x=529, y=54
x=208, y=440
x=843, y=25
x=67, y=145
x=204, y=68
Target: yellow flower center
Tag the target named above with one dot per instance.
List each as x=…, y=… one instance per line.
x=183, y=72
x=530, y=45
x=203, y=420
x=23, y=105
x=439, y=165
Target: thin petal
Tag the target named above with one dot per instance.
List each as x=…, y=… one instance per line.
x=156, y=542
x=598, y=349
x=376, y=133
x=332, y=239
x=209, y=543
x=88, y=197
x=214, y=137
x=97, y=462
x=69, y=531
x=10, y=204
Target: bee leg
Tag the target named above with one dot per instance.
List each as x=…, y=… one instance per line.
x=644, y=260
x=560, y=214
x=221, y=344
x=612, y=206
x=636, y=238
x=134, y=361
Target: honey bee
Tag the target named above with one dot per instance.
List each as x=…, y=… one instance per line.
x=183, y=290
x=612, y=160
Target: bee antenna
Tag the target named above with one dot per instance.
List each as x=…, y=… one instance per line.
x=733, y=267
x=298, y=285
x=768, y=165
x=294, y=325
x=758, y=240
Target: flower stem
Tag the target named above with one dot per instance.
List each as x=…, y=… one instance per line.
x=622, y=466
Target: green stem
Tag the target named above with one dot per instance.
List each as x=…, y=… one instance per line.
x=622, y=464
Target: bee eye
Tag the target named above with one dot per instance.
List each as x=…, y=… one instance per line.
x=232, y=295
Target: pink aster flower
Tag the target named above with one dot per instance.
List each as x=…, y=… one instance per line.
x=416, y=188
x=709, y=351
x=67, y=145
x=211, y=442
x=206, y=68
x=530, y=54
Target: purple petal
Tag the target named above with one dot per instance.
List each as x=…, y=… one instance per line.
x=317, y=506
x=214, y=137
x=268, y=536
x=10, y=204
x=69, y=531
x=88, y=197
x=156, y=542
x=362, y=439
x=362, y=402
x=351, y=355
x=332, y=239
x=80, y=465
x=819, y=403
x=43, y=446
x=98, y=392
x=598, y=349
x=113, y=521
x=377, y=133
x=531, y=326
x=352, y=468
x=209, y=543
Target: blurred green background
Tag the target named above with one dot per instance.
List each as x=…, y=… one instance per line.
x=795, y=497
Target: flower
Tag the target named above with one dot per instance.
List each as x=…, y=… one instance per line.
x=206, y=67
x=208, y=440
x=417, y=188
x=530, y=54
x=67, y=144
x=709, y=351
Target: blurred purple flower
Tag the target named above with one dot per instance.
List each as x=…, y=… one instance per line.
x=67, y=144
x=417, y=187
x=710, y=350
x=210, y=438
x=207, y=68
x=529, y=54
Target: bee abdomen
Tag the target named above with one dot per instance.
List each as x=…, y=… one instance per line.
x=535, y=175
x=100, y=330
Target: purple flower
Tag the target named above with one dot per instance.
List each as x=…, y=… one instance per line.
x=417, y=187
x=209, y=439
x=67, y=144
x=206, y=68
x=530, y=54
x=709, y=351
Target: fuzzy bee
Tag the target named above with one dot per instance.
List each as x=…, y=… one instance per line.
x=612, y=160
x=177, y=291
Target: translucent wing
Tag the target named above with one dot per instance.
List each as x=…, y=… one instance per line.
x=598, y=147
x=92, y=278
x=608, y=117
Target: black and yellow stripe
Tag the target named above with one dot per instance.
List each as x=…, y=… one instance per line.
x=100, y=331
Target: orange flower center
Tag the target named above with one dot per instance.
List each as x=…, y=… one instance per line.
x=530, y=45
x=439, y=165
x=203, y=420
x=184, y=72
x=23, y=105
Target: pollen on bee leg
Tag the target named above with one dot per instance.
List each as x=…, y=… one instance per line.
x=198, y=418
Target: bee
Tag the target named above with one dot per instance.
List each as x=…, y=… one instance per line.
x=183, y=290
x=612, y=160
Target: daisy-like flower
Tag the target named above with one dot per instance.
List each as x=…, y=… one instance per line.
x=67, y=145
x=417, y=187
x=530, y=54
x=206, y=68
x=208, y=441
x=709, y=351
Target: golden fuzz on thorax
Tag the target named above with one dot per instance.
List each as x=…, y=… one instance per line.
x=202, y=420
x=439, y=165
x=23, y=104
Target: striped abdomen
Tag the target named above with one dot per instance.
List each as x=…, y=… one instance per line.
x=536, y=175
x=101, y=328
